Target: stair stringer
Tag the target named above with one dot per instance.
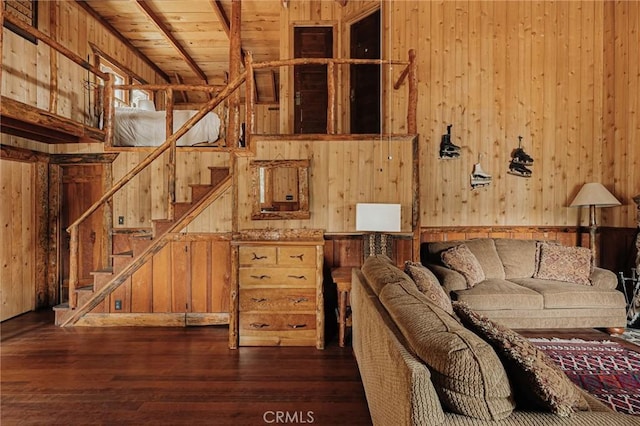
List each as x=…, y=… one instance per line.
x=157, y=245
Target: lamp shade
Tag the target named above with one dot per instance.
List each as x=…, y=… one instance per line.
x=594, y=194
x=375, y=217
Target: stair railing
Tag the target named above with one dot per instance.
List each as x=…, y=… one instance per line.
x=169, y=143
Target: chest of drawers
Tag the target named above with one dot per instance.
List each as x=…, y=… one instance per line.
x=277, y=290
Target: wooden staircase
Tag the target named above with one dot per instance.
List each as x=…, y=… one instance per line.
x=134, y=247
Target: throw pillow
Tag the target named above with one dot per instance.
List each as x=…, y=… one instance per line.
x=428, y=285
x=562, y=263
x=465, y=370
x=460, y=259
x=536, y=379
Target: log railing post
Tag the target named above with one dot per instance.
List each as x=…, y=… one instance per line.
x=171, y=166
x=250, y=100
x=73, y=266
x=109, y=110
x=331, y=98
x=412, y=103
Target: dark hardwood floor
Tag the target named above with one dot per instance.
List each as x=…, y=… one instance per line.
x=174, y=376
x=169, y=376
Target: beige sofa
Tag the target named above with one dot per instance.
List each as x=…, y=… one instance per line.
x=401, y=389
x=511, y=294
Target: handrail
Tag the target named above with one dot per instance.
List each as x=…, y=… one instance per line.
x=170, y=142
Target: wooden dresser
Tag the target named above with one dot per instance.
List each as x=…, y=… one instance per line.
x=276, y=290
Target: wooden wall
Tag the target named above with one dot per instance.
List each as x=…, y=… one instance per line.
x=18, y=236
x=342, y=173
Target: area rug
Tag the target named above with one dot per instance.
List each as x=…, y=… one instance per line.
x=630, y=335
x=605, y=369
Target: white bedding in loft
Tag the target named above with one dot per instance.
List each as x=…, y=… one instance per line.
x=138, y=127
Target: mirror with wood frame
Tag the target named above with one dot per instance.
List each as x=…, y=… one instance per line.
x=280, y=189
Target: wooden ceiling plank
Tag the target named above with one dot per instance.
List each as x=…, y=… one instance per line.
x=122, y=39
x=172, y=40
x=222, y=16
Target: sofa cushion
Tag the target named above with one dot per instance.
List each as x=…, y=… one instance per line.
x=537, y=380
x=484, y=249
x=518, y=257
x=466, y=371
x=498, y=294
x=564, y=295
x=380, y=271
x=460, y=259
x=561, y=263
x=428, y=285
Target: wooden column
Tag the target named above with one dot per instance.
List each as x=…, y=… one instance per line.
x=250, y=100
x=331, y=94
x=171, y=191
x=235, y=59
x=412, y=126
x=109, y=110
x=53, y=59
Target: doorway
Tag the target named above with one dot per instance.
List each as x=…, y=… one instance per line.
x=82, y=185
x=310, y=81
x=365, y=78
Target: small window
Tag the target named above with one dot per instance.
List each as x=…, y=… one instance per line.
x=25, y=11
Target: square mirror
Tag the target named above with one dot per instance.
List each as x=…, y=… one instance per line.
x=280, y=189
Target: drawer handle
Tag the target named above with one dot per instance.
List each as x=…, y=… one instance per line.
x=294, y=326
x=297, y=277
x=300, y=257
x=299, y=300
x=258, y=299
x=261, y=277
x=256, y=257
x=258, y=325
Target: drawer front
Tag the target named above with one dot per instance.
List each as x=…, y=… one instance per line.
x=267, y=322
x=297, y=256
x=277, y=277
x=258, y=255
x=293, y=300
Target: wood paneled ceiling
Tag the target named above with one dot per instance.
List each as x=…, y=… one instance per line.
x=188, y=40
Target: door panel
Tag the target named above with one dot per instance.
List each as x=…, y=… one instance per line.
x=310, y=81
x=81, y=187
x=365, y=79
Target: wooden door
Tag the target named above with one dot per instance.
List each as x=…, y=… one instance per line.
x=17, y=239
x=310, y=81
x=365, y=79
x=81, y=187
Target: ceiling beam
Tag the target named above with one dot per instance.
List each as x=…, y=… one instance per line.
x=172, y=40
x=224, y=21
x=122, y=39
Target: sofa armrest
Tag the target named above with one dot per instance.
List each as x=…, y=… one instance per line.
x=603, y=278
x=450, y=279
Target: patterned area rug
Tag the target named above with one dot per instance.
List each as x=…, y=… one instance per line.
x=631, y=335
x=606, y=370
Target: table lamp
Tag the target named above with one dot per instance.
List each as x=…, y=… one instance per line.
x=594, y=195
x=378, y=219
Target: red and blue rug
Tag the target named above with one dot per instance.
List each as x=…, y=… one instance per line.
x=607, y=370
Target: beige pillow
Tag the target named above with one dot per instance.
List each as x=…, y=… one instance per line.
x=535, y=378
x=465, y=370
x=561, y=263
x=428, y=285
x=460, y=259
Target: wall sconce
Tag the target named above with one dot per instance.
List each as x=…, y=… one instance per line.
x=378, y=220
x=594, y=195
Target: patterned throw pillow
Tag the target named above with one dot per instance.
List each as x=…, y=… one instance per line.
x=561, y=263
x=536, y=379
x=460, y=259
x=428, y=285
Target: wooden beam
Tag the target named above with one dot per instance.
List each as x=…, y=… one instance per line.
x=122, y=39
x=234, y=71
x=172, y=40
x=185, y=97
x=226, y=26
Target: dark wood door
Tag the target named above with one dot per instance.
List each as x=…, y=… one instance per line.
x=81, y=187
x=365, y=79
x=310, y=81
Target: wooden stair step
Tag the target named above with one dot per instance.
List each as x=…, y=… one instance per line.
x=101, y=277
x=180, y=208
x=218, y=174
x=160, y=226
x=199, y=190
x=120, y=260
